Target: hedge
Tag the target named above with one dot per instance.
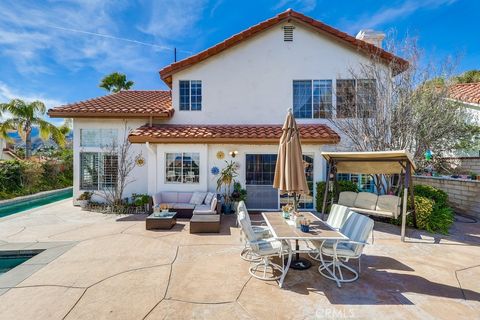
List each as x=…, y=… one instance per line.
x=343, y=185
x=23, y=177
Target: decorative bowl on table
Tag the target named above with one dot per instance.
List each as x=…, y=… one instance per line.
x=286, y=214
x=305, y=228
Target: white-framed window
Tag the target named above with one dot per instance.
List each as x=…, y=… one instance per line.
x=356, y=98
x=97, y=137
x=98, y=170
x=182, y=167
x=190, y=95
x=312, y=99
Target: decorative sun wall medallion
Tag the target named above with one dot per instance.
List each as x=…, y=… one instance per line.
x=220, y=155
x=215, y=171
x=140, y=161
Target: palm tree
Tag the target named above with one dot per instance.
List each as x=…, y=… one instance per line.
x=24, y=117
x=115, y=82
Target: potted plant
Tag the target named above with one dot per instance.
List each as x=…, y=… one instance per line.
x=84, y=199
x=141, y=202
x=238, y=194
x=224, y=182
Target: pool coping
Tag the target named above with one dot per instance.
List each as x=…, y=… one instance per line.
x=25, y=212
x=33, y=196
x=49, y=252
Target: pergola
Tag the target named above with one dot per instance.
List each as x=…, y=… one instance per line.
x=375, y=162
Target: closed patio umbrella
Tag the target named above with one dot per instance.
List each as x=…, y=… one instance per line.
x=290, y=173
x=289, y=170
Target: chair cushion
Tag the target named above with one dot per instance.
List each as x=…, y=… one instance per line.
x=198, y=197
x=343, y=250
x=266, y=246
x=389, y=203
x=347, y=198
x=184, y=197
x=209, y=198
x=337, y=216
x=261, y=232
x=375, y=213
x=169, y=197
x=366, y=200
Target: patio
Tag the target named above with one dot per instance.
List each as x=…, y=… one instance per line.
x=116, y=269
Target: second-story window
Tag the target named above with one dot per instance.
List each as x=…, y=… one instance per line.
x=190, y=95
x=312, y=98
x=356, y=98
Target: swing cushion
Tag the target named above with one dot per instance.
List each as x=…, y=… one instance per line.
x=347, y=198
x=366, y=200
x=389, y=203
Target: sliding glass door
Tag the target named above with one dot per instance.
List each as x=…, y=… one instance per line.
x=260, y=170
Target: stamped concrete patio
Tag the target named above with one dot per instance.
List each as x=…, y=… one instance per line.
x=110, y=267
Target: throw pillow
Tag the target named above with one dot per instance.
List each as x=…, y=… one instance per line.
x=209, y=197
x=198, y=197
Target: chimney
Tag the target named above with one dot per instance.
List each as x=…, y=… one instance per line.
x=371, y=36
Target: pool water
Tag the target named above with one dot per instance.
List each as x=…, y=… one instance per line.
x=10, y=261
x=9, y=209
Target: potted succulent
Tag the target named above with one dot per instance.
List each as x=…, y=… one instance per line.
x=84, y=199
x=225, y=181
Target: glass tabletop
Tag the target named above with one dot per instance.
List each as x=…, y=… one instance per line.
x=162, y=215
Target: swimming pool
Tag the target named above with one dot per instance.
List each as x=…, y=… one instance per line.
x=9, y=261
x=30, y=203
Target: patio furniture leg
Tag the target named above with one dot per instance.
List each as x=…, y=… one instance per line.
x=285, y=269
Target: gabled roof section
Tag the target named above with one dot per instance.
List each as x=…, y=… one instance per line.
x=124, y=104
x=398, y=64
x=468, y=93
x=242, y=134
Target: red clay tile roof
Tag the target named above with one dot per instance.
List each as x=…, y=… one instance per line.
x=465, y=92
x=248, y=134
x=398, y=64
x=132, y=103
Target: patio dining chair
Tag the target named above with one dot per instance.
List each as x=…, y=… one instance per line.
x=336, y=218
x=265, y=249
x=260, y=232
x=357, y=228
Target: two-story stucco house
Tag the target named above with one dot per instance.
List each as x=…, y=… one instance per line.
x=228, y=102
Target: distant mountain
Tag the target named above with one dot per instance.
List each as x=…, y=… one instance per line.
x=36, y=141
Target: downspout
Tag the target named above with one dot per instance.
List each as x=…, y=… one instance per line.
x=151, y=151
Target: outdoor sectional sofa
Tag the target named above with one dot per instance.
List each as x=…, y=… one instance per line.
x=187, y=203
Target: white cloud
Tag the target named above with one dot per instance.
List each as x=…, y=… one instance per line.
x=172, y=19
x=7, y=94
x=43, y=36
x=300, y=5
x=389, y=14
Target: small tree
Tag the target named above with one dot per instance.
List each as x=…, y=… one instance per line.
x=377, y=112
x=115, y=82
x=118, y=157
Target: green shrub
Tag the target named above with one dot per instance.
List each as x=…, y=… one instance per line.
x=343, y=185
x=431, y=216
x=439, y=196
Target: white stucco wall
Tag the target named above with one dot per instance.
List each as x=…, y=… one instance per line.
x=139, y=174
x=208, y=159
x=251, y=83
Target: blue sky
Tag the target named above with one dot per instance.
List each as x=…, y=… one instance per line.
x=57, y=51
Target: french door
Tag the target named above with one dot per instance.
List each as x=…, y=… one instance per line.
x=259, y=173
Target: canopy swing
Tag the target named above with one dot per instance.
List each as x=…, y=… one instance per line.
x=375, y=162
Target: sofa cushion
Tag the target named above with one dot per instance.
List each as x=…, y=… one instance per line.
x=208, y=198
x=198, y=197
x=183, y=206
x=168, y=204
x=347, y=198
x=169, y=197
x=184, y=197
x=366, y=200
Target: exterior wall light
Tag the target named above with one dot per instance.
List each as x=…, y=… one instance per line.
x=233, y=153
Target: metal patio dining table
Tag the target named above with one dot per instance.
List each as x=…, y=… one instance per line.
x=284, y=229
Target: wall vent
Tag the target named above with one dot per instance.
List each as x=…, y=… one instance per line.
x=288, y=33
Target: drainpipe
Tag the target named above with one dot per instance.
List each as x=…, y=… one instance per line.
x=151, y=151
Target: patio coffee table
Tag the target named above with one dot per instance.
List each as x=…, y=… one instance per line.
x=161, y=220
x=283, y=229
